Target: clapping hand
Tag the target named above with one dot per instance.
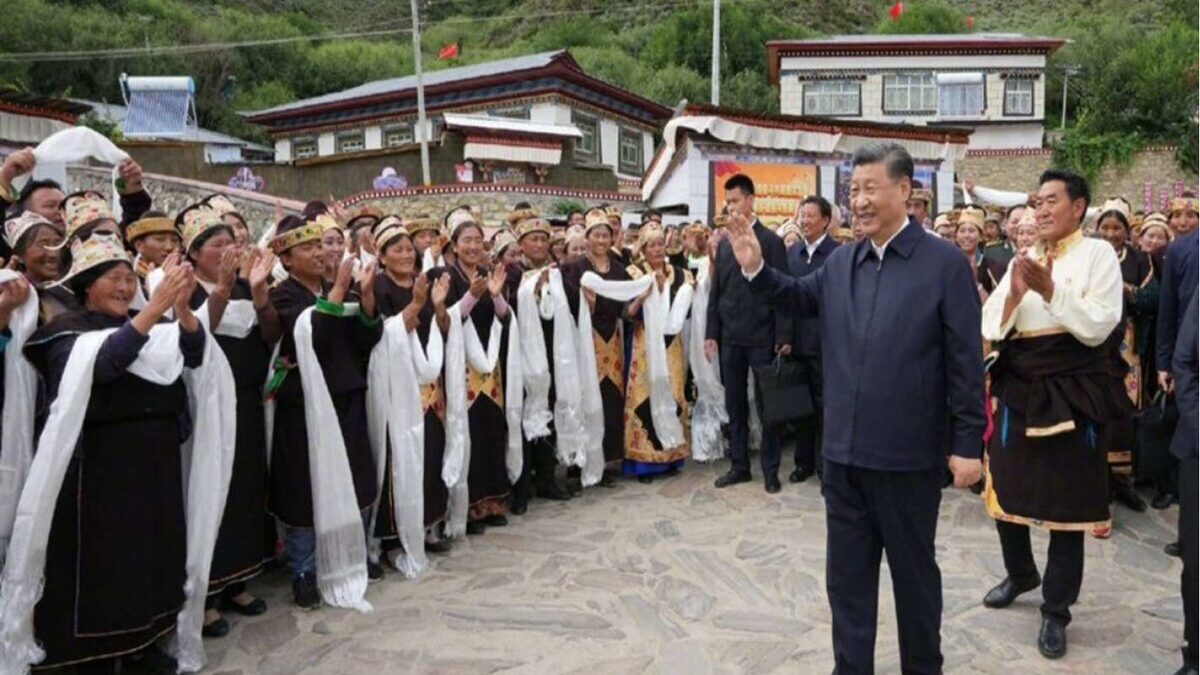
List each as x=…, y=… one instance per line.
x=366, y=285
x=479, y=285
x=441, y=288
x=261, y=268
x=1035, y=276
x=341, y=283
x=227, y=273
x=420, y=290
x=496, y=281
x=13, y=294
x=130, y=172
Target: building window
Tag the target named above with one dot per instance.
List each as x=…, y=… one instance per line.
x=520, y=112
x=961, y=95
x=398, y=135
x=587, y=147
x=909, y=93
x=351, y=142
x=630, y=160
x=833, y=97
x=304, y=147
x=1018, y=96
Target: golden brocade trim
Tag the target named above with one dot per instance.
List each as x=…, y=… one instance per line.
x=300, y=235
x=432, y=397
x=148, y=225
x=610, y=358
x=638, y=446
x=997, y=512
x=1052, y=430
x=484, y=384
x=1120, y=456
x=1039, y=332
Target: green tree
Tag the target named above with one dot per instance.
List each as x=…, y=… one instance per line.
x=749, y=90
x=924, y=18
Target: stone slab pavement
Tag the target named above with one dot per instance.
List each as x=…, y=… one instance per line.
x=678, y=577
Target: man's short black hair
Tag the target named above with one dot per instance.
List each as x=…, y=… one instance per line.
x=36, y=185
x=1077, y=186
x=740, y=181
x=895, y=158
x=822, y=203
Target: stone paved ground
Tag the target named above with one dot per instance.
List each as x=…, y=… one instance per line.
x=678, y=577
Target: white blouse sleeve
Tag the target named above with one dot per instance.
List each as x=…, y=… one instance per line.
x=1090, y=312
x=993, y=310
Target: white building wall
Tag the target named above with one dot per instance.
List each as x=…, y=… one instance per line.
x=373, y=138
x=222, y=154
x=1001, y=136
x=904, y=62
x=647, y=149
x=608, y=143
x=326, y=145
x=283, y=150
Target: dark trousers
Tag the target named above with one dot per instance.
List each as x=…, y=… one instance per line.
x=1064, y=566
x=736, y=362
x=537, y=469
x=869, y=513
x=808, y=430
x=1189, y=501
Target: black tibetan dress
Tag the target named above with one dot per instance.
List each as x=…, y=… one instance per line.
x=343, y=347
x=116, y=555
x=487, y=480
x=610, y=349
x=391, y=299
x=245, y=540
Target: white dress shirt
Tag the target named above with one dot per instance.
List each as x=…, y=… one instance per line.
x=811, y=249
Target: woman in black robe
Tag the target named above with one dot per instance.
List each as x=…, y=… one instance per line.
x=482, y=290
x=115, y=560
x=606, y=324
x=245, y=541
x=343, y=346
x=401, y=289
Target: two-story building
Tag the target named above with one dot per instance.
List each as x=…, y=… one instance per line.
x=994, y=84
x=515, y=120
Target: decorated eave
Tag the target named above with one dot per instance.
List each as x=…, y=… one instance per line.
x=908, y=45
x=798, y=134
x=461, y=188
x=511, y=140
x=32, y=105
x=455, y=88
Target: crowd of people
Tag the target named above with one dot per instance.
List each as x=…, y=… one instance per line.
x=351, y=392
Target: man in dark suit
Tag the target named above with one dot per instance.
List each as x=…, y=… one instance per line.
x=747, y=332
x=804, y=259
x=1180, y=276
x=1184, y=447
x=900, y=327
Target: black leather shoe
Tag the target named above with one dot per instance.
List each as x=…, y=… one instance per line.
x=497, y=520
x=646, y=479
x=554, y=493
x=1163, y=500
x=1123, y=493
x=216, y=629
x=800, y=474
x=255, y=608
x=1006, y=591
x=304, y=591
x=771, y=484
x=1172, y=549
x=1052, y=639
x=733, y=478
x=374, y=572
x=475, y=527
x=439, y=546
x=520, y=505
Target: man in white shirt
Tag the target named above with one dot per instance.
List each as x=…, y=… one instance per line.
x=1053, y=393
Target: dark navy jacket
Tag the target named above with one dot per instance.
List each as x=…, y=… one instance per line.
x=1181, y=273
x=1184, y=368
x=734, y=317
x=900, y=348
x=808, y=331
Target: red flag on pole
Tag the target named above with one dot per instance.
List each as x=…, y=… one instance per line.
x=895, y=10
x=449, y=51
x=970, y=22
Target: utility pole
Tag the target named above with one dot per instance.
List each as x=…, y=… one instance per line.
x=422, y=136
x=716, y=54
x=1068, y=71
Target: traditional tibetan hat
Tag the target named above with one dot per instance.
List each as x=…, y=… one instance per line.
x=517, y=215
x=594, y=218
x=922, y=195
x=1157, y=220
x=302, y=234
x=221, y=204
x=531, y=225
x=420, y=223
x=83, y=208
x=693, y=228
x=941, y=219
x=94, y=251
x=152, y=225
x=388, y=230
x=789, y=227
x=972, y=214
x=1118, y=204
x=195, y=220
x=613, y=212
x=16, y=228
x=842, y=234
x=1027, y=218
x=459, y=217
x=502, y=240
x=326, y=222
x=366, y=219
x=721, y=221
x=1179, y=204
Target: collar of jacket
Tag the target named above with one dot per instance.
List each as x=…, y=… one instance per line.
x=903, y=244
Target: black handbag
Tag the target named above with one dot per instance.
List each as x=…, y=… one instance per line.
x=1155, y=427
x=781, y=391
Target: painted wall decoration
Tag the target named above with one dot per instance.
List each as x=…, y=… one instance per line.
x=779, y=187
x=246, y=179
x=389, y=180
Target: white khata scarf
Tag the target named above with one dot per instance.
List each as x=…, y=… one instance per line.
x=20, y=384
x=207, y=464
x=77, y=143
x=568, y=412
x=708, y=412
x=658, y=316
x=464, y=347
x=341, y=543
x=398, y=368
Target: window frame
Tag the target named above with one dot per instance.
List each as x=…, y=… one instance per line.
x=635, y=139
x=806, y=110
x=297, y=143
x=1008, y=82
x=592, y=124
x=517, y=111
x=930, y=84
x=350, y=136
x=983, y=102
x=399, y=129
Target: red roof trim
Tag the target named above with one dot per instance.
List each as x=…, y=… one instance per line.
x=37, y=111
x=776, y=49
x=458, y=188
x=516, y=140
x=821, y=125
